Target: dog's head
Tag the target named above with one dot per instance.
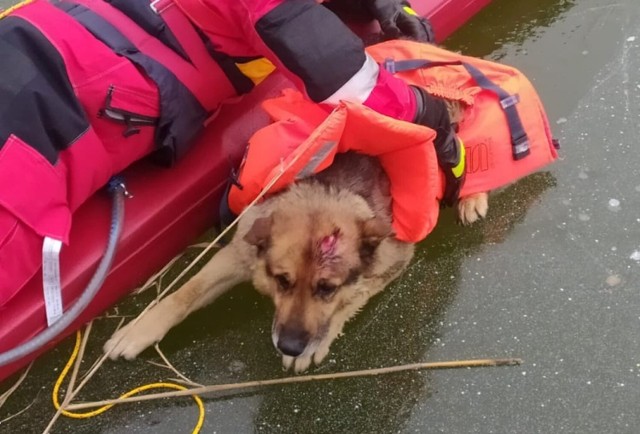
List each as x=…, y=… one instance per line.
x=310, y=260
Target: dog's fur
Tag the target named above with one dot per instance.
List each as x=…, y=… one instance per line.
x=320, y=250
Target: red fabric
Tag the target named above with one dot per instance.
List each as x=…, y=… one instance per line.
x=92, y=67
x=45, y=208
x=41, y=203
x=232, y=26
x=153, y=231
x=210, y=88
x=447, y=16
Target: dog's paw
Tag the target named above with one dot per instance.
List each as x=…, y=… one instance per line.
x=297, y=364
x=287, y=362
x=302, y=363
x=473, y=207
x=320, y=354
x=134, y=338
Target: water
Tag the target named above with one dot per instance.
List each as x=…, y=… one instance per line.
x=551, y=277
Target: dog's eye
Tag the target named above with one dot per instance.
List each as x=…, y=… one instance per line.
x=283, y=281
x=324, y=288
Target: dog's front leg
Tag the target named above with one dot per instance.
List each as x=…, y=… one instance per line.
x=230, y=266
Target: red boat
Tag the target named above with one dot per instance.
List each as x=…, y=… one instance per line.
x=170, y=208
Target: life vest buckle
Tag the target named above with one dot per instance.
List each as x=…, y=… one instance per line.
x=510, y=100
x=390, y=65
x=521, y=147
x=234, y=179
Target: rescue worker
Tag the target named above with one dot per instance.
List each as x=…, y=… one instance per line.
x=322, y=56
x=90, y=86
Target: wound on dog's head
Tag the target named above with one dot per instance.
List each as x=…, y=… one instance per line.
x=328, y=245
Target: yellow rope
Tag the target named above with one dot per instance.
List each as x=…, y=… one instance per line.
x=101, y=410
x=4, y=13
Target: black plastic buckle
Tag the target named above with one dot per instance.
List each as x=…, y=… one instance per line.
x=520, y=146
x=234, y=179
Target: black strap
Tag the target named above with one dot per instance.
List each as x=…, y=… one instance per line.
x=519, y=138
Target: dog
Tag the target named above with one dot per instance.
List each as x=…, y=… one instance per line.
x=320, y=250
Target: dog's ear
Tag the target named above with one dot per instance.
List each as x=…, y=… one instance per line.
x=372, y=231
x=260, y=233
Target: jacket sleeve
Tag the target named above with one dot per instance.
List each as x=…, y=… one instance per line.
x=326, y=59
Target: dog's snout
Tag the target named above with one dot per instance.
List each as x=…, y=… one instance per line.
x=292, y=341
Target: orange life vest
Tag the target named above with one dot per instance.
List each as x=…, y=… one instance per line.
x=505, y=131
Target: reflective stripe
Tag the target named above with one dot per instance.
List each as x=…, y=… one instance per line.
x=51, y=279
x=359, y=87
x=410, y=11
x=458, y=169
x=315, y=161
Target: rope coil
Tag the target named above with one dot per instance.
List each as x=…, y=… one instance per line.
x=98, y=411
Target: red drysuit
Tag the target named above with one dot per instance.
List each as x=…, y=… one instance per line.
x=90, y=86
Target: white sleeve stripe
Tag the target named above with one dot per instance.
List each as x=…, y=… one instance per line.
x=359, y=87
x=51, y=279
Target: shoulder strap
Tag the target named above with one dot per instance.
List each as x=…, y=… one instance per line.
x=185, y=32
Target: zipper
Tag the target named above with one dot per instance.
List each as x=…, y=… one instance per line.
x=131, y=120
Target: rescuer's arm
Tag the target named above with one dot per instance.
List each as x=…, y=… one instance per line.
x=326, y=60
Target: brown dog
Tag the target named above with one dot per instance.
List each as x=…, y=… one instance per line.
x=320, y=250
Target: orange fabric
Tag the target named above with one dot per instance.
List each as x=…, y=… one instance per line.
x=405, y=151
x=302, y=130
x=484, y=130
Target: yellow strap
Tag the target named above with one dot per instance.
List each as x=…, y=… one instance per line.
x=458, y=170
x=410, y=11
x=101, y=410
x=256, y=70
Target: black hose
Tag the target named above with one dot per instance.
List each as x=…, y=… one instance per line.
x=118, y=192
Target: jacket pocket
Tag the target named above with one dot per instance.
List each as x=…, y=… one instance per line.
x=34, y=190
x=33, y=204
x=133, y=109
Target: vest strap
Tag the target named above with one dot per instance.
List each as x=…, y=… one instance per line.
x=185, y=32
x=519, y=139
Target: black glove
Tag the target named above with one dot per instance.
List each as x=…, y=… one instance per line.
x=432, y=112
x=397, y=19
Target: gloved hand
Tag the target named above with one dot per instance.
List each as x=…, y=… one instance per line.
x=397, y=19
x=432, y=112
